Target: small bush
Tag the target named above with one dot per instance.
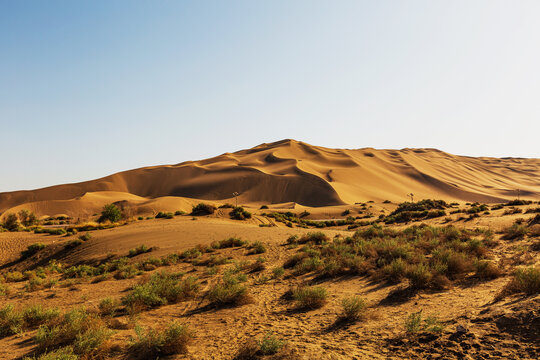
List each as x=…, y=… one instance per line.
x=258, y=247
x=85, y=237
x=515, y=231
x=229, y=293
x=270, y=344
x=415, y=323
x=203, y=209
x=524, y=280
x=487, y=270
x=308, y=298
x=73, y=243
x=110, y=213
x=238, y=213
x=152, y=344
x=228, y=243
x=108, y=306
x=353, y=308
x=277, y=272
x=141, y=249
x=11, y=222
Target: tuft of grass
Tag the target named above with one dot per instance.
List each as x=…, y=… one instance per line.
x=258, y=247
x=524, y=280
x=228, y=243
x=516, y=231
x=353, y=308
x=229, y=292
x=14, y=321
x=270, y=344
x=108, y=306
x=416, y=323
x=310, y=297
x=277, y=272
x=162, y=288
x=487, y=270
x=203, y=209
x=84, y=332
x=152, y=343
x=64, y=353
x=141, y=249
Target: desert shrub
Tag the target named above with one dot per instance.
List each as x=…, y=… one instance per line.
x=126, y=272
x=162, y=288
x=110, y=213
x=270, y=344
x=179, y=212
x=80, y=271
x=238, y=213
x=314, y=237
x=152, y=343
x=353, y=308
x=87, y=236
x=27, y=218
x=4, y=289
x=14, y=276
x=64, y=353
x=108, y=306
x=11, y=222
x=228, y=243
x=516, y=231
x=258, y=247
x=518, y=202
x=258, y=265
x=487, y=270
x=310, y=297
x=141, y=249
x=524, y=280
x=396, y=270
x=264, y=207
x=419, y=275
x=416, y=322
x=203, y=209
x=229, y=292
x=32, y=249
x=13, y=321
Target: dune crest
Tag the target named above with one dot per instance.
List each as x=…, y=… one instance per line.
x=293, y=171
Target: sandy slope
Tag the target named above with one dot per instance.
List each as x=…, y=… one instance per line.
x=292, y=171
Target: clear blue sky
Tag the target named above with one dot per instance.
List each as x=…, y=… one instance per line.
x=95, y=87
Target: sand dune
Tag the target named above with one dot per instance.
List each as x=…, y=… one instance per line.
x=290, y=171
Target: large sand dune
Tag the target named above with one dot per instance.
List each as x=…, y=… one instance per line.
x=293, y=171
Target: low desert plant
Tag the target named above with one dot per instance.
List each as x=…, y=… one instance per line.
x=203, y=209
x=310, y=297
x=238, y=213
x=416, y=322
x=229, y=292
x=152, y=343
x=141, y=249
x=516, y=231
x=524, y=280
x=258, y=247
x=353, y=308
x=108, y=306
x=110, y=213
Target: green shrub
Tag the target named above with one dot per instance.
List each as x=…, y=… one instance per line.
x=270, y=344
x=64, y=353
x=152, y=344
x=110, y=213
x=515, y=231
x=141, y=249
x=162, y=288
x=11, y=222
x=203, y=209
x=108, y=306
x=230, y=242
x=258, y=247
x=85, y=237
x=353, y=308
x=415, y=323
x=308, y=298
x=86, y=333
x=524, y=280
x=73, y=243
x=27, y=218
x=229, y=292
x=238, y=213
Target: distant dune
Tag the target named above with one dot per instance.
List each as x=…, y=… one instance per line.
x=293, y=171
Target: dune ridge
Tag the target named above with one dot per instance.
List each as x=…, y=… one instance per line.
x=294, y=171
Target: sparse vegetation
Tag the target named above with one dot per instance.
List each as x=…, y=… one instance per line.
x=416, y=322
x=110, y=213
x=310, y=297
x=32, y=249
x=152, y=343
x=238, y=213
x=353, y=308
x=203, y=209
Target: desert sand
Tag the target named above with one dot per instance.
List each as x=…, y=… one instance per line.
x=363, y=186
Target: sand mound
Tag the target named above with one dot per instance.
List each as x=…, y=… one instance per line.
x=289, y=171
